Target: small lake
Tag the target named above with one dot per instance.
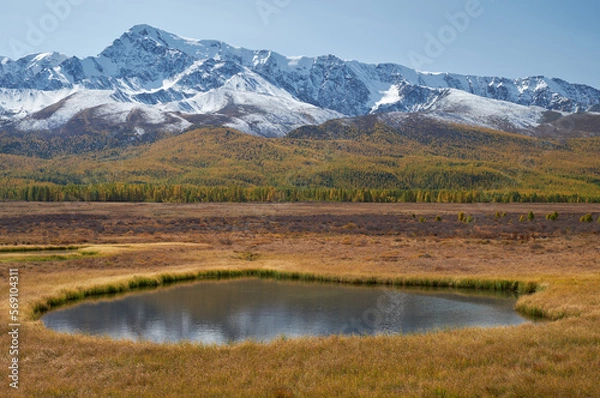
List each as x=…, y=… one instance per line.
x=229, y=311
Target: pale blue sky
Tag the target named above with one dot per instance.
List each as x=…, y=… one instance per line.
x=511, y=38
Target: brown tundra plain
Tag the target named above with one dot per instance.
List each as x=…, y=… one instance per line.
x=69, y=251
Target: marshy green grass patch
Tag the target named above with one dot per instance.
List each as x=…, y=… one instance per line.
x=30, y=249
x=44, y=254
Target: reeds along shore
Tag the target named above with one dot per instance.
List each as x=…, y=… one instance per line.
x=155, y=281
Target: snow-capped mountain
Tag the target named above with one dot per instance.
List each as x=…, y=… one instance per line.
x=149, y=79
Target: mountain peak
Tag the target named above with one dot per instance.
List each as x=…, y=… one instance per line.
x=143, y=29
x=144, y=47
x=149, y=31
x=48, y=58
x=147, y=37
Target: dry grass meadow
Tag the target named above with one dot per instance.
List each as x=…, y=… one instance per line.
x=70, y=250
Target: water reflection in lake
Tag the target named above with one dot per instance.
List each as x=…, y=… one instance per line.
x=221, y=312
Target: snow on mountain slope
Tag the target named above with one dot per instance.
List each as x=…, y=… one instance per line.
x=55, y=116
x=260, y=92
x=103, y=107
x=465, y=108
x=20, y=103
x=255, y=106
x=552, y=94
